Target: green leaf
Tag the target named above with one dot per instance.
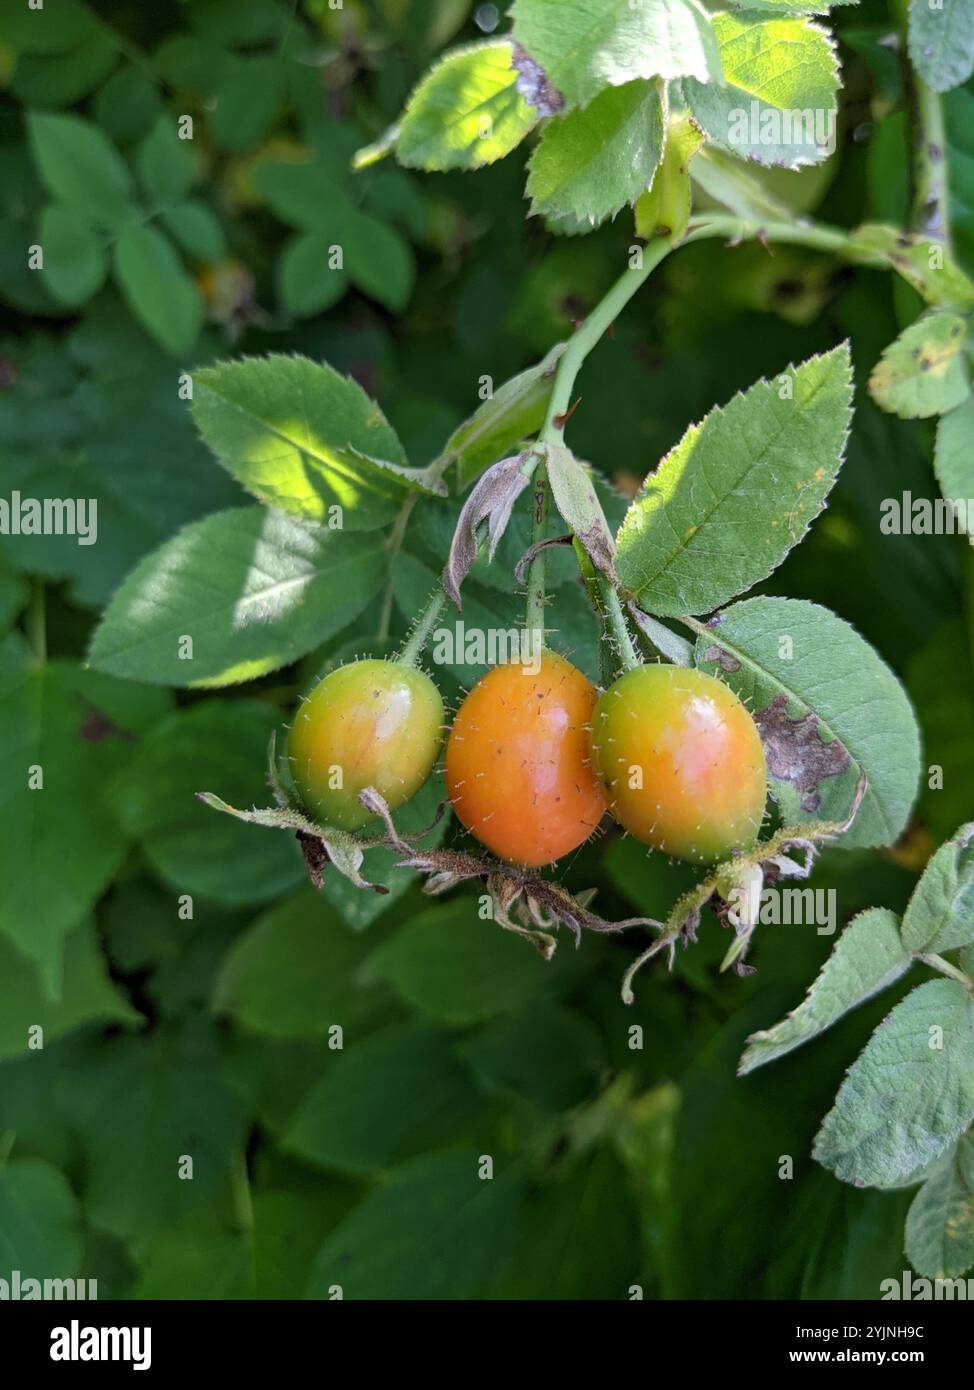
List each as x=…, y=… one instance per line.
x=940, y=914
x=141, y=1107
x=197, y=231
x=66, y=732
x=924, y=371
x=583, y=49
x=828, y=708
x=294, y=973
x=909, y=1095
x=868, y=957
x=81, y=168
x=779, y=104
x=218, y=744
x=388, y=1098
x=307, y=283
x=726, y=505
x=248, y=94
x=512, y=412
x=466, y=112
x=159, y=292
x=60, y=26
x=88, y=994
x=253, y=590
x=166, y=164
x=378, y=260
x=594, y=161
x=14, y=593
x=577, y=1235
x=546, y=1054
x=301, y=437
x=456, y=967
x=436, y=1229
x=922, y=263
x=941, y=42
x=940, y=1223
x=40, y=1223
x=573, y=493
x=953, y=460
x=75, y=264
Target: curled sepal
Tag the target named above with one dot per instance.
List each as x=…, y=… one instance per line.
x=734, y=889
x=319, y=845
x=492, y=500
x=574, y=496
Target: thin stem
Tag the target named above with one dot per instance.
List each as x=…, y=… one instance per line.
x=36, y=621
x=534, y=614
x=617, y=626
x=393, y=547
x=944, y=966
x=413, y=650
x=930, y=213
x=815, y=235
x=591, y=331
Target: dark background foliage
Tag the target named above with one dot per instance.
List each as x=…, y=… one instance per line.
x=209, y=1037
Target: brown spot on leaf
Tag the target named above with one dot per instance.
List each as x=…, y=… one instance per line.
x=724, y=660
x=534, y=85
x=796, y=752
x=97, y=726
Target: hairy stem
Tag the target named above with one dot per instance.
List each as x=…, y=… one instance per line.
x=945, y=968
x=416, y=642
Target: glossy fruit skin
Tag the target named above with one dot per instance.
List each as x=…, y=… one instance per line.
x=704, y=779
x=381, y=724
x=518, y=767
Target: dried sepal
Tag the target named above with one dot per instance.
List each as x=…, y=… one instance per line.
x=491, y=499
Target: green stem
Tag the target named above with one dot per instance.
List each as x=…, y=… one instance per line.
x=945, y=968
x=815, y=235
x=534, y=614
x=591, y=331
x=243, y=1207
x=930, y=214
x=617, y=626
x=36, y=622
x=416, y=643
x=393, y=547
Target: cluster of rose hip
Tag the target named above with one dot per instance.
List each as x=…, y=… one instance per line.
x=535, y=758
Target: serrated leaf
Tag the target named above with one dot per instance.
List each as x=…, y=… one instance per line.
x=953, y=460
x=940, y=914
x=924, y=372
x=253, y=589
x=466, y=112
x=827, y=708
x=941, y=42
x=924, y=264
x=302, y=437
x=81, y=167
x=940, y=1224
x=909, y=1095
x=583, y=48
x=809, y=676
x=592, y=162
x=726, y=505
x=779, y=102
x=75, y=263
x=868, y=957
x=157, y=288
